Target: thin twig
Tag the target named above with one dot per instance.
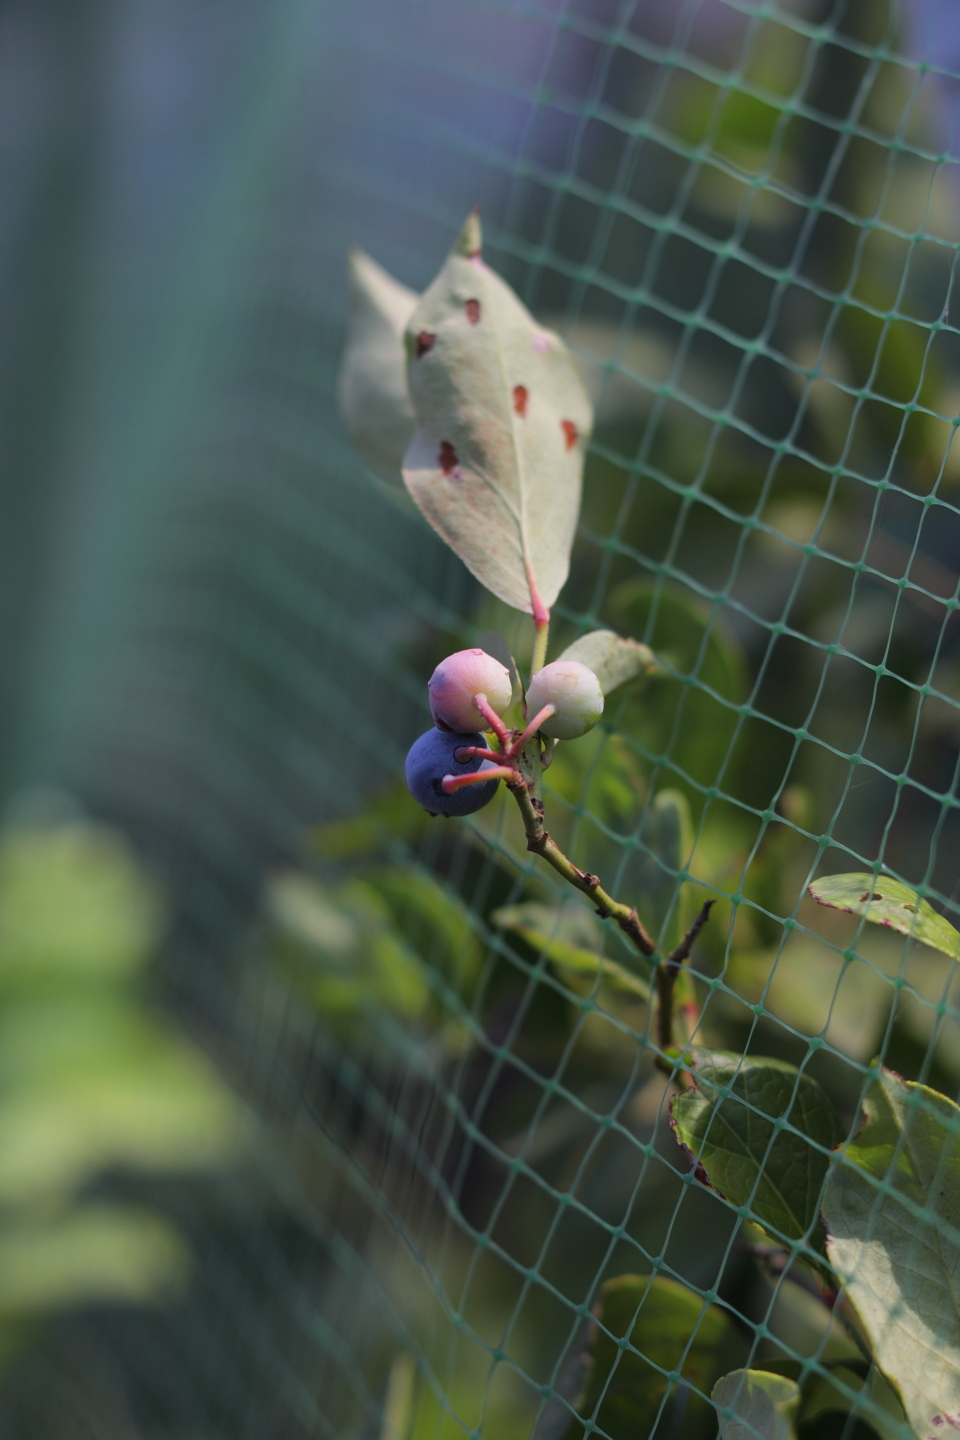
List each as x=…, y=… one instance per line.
x=541, y=843
x=676, y=957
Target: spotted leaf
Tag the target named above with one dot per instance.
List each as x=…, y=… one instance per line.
x=502, y=421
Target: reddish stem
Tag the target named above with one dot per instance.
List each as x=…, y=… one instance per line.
x=541, y=615
x=450, y=783
x=477, y=752
x=532, y=727
x=492, y=719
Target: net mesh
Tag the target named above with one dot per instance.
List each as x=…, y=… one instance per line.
x=743, y=218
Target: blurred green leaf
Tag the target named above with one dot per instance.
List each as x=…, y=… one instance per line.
x=548, y=929
x=96, y=1252
x=372, y=391
x=433, y=920
x=884, y=901
x=689, y=711
x=762, y=1132
x=892, y=1211
x=646, y=1330
x=385, y=818
x=665, y=845
x=755, y=1405
x=74, y=907
x=340, y=944
x=87, y=1087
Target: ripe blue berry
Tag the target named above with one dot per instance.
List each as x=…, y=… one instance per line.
x=575, y=691
x=458, y=679
x=431, y=758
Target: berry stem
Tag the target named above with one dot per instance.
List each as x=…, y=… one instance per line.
x=532, y=727
x=451, y=783
x=492, y=718
x=478, y=752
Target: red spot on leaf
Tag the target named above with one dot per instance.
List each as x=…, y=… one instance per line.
x=570, y=433
x=868, y=896
x=425, y=342
x=520, y=399
x=447, y=459
x=472, y=308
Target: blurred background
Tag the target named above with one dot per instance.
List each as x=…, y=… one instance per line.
x=304, y=1131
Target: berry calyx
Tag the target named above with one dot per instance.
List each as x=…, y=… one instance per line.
x=574, y=690
x=461, y=677
x=433, y=757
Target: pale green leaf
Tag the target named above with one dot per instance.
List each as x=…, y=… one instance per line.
x=729, y=1123
x=74, y=907
x=668, y=1329
x=95, y=1253
x=756, y=1405
x=549, y=931
x=91, y=1086
x=341, y=944
x=612, y=658
x=372, y=392
x=888, y=902
x=496, y=460
x=892, y=1211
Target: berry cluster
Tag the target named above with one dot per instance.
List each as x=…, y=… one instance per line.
x=450, y=769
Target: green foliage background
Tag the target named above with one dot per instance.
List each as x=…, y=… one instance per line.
x=216, y=628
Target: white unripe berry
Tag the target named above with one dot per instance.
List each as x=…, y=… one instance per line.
x=458, y=679
x=574, y=690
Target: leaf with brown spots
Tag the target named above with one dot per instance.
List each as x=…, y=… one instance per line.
x=896, y=906
x=504, y=395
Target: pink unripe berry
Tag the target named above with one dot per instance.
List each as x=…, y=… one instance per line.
x=458, y=679
x=574, y=690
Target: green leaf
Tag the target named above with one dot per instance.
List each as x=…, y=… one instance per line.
x=496, y=460
x=665, y=845
x=433, y=920
x=548, y=930
x=888, y=902
x=372, y=393
x=729, y=1125
x=668, y=1329
x=96, y=1252
x=74, y=908
x=341, y=945
x=755, y=1405
x=844, y=1388
x=690, y=712
x=892, y=1212
x=614, y=660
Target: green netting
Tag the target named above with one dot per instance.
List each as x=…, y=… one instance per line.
x=743, y=218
